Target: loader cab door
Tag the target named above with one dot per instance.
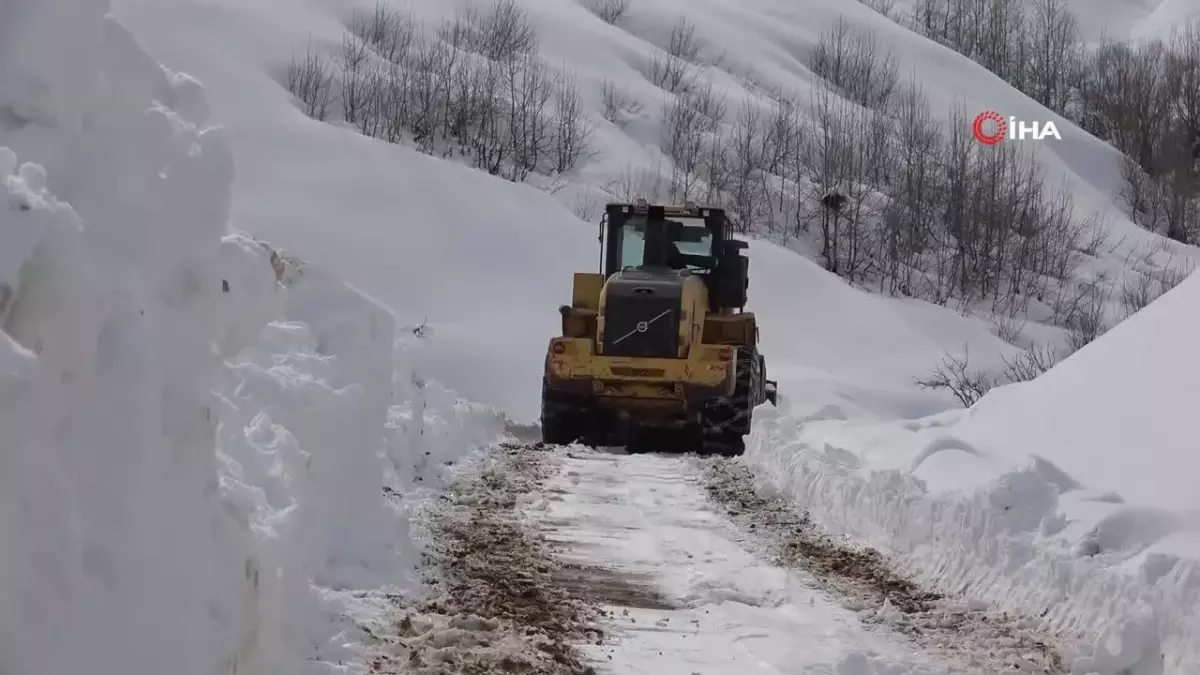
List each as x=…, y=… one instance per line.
x=648, y=239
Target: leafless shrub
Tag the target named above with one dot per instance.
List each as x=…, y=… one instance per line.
x=474, y=89
x=1029, y=364
x=652, y=183
x=689, y=124
x=1144, y=282
x=1055, y=54
x=992, y=32
x=673, y=69
x=1081, y=310
x=609, y=11
x=852, y=61
x=885, y=7
x=618, y=104
x=310, y=79
x=1137, y=291
x=1096, y=238
x=355, y=91
x=572, y=129
x=586, y=207
x=1143, y=97
x=501, y=32
x=1008, y=328
x=846, y=147
x=954, y=374
x=385, y=30
x=528, y=92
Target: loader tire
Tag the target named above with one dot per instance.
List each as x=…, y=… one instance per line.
x=726, y=421
x=564, y=416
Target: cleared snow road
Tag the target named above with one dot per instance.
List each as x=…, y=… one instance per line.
x=714, y=607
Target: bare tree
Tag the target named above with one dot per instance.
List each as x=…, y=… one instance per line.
x=954, y=374
x=310, y=80
x=1055, y=58
x=609, y=11
x=673, y=69
x=1030, y=364
x=386, y=30
x=354, y=86
x=502, y=32
x=1081, y=309
x=572, y=130
x=916, y=192
x=618, y=104
x=690, y=117
x=529, y=90
x=885, y=7
x=852, y=61
x=746, y=155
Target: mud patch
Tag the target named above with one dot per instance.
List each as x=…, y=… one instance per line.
x=496, y=602
x=611, y=587
x=501, y=597
x=969, y=635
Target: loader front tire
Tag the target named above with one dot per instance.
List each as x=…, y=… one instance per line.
x=726, y=421
x=564, y=416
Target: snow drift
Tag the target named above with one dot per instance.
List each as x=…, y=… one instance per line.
x=197, y=430
x=1070, y=498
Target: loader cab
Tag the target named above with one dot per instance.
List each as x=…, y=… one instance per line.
x=649, y=237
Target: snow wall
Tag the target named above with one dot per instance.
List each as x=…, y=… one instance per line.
x=197, y=432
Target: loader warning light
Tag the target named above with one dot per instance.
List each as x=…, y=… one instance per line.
x=558, y=348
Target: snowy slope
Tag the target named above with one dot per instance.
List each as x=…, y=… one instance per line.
x=1071, y=497
x=486, y=262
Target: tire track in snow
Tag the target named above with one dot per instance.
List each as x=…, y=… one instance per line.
x=571, y=561
x=724, y=610
x=500, y=600
x=960, y=632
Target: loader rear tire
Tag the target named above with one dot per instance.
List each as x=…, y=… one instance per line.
x=564, y=416
x=726, y=421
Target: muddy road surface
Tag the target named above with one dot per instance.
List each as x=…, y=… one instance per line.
x=576, y=561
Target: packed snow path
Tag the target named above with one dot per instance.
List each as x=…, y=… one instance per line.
x=569, y=561
x=720, y=609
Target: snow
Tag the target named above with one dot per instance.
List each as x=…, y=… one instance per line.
x=726, y=610
x=198, y=432
x=487, y=262
x=1070, y=497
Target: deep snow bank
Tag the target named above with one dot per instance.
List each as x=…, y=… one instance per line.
x=1118, y=413
x=151, y=526
x=832, y=344
x=1070, y=498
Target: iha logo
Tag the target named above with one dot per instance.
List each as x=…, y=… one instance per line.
x=990, y=128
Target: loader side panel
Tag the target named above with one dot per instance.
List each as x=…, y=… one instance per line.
x=585, y=290
x=731, y=329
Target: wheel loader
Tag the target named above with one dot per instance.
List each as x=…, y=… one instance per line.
x=656, y=348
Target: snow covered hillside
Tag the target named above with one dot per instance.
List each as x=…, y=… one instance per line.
x=197, y=432
x=486, y=261
x=1070, y=497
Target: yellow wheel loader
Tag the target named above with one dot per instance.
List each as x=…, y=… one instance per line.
x=657, y=345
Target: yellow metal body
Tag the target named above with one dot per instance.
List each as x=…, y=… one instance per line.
x=645, y=386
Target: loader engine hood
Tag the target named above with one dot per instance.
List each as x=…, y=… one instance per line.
x=642, y=311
